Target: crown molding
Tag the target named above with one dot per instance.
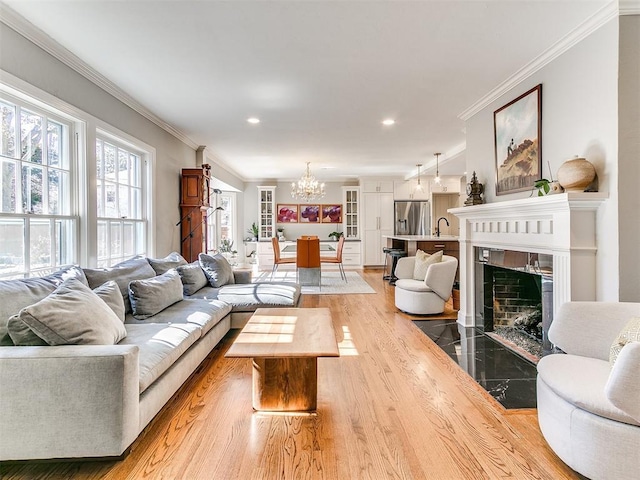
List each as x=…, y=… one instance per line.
x=38, y=37
x=629, y=7
x=590, y=25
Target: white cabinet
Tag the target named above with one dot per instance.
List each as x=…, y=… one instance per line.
x=406, y=190
x=265, y=255
x=351, y=254
x=266, y=213
x=376, y=186
x=447, y=185
x=351, y=216
x=377, y=221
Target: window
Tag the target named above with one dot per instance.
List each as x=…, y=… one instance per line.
x=221, y=221
x=122, y=224
x=38, y=221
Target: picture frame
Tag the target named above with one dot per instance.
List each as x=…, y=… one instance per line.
x=332, y=213
x=309, y=213
x=518, y=142
x=287, y=213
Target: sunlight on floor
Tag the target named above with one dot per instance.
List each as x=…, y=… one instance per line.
x=346, y=346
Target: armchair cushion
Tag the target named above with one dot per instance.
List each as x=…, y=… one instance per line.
x=623, y=385
x=423, y=261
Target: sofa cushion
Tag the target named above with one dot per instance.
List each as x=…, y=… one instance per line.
x=423, y=260
x=163, y=265
x=71, y=315
x=217, y=269
x=136, y=268
x=193, y=278
x=109, y=292
x=151, y=296
x=160, y=346
x=630, y=333
x=413, y=285
x=581, y=381
x=20, y=293
x=249, y=296
x=204, y=313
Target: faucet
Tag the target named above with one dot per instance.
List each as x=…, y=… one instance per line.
x=438, y=225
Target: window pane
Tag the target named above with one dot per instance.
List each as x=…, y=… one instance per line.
x=54, y=148
x=128, y=249
x=134, y=163
x=32, y=189
x=8, y=197
x=136, y=204
x=140, y=236
x=40, y=243
x=109, y=161
x=31, y=130
x=123, y=201
x=11, y=246
x=123, y=167
x=103, y=245
x=99, y=166
x=8, y=130
x=54, y=192
x=116, y=239
x=64, y=242
x=100, y=198
x=111, y=205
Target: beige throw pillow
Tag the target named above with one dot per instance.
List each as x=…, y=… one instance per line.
x=630, y=333
x=423, y=260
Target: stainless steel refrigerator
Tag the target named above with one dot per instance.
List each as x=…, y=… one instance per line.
x=412, y=218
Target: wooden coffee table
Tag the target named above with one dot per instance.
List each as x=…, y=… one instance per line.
x=285, y=344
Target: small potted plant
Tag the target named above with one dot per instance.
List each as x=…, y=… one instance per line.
x=253, y=231
x=226, y=249
x=547, y=187
x=335, y=236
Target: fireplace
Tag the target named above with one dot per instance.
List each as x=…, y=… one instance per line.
x=514, y=298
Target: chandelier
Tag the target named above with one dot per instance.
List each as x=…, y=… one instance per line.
x=307, y=188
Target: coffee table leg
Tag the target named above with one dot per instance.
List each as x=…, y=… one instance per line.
x=285, y=384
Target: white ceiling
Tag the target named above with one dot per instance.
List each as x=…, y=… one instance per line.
x=320, y=75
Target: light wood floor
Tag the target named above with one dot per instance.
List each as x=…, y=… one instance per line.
x=392, y=406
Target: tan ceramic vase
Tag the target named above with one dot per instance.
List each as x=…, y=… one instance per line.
x=576, y=174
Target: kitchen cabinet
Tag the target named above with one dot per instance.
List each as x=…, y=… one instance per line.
x=406, y=190
x=446, y=185
x=376, y=186
x=266, y=212
x=377, y=209
x=351, y=214
x=351, y=255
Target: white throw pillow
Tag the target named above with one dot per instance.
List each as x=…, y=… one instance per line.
x=423, y=260
x=630, y=333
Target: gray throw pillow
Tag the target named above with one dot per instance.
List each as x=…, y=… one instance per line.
x=193, y=278
x=163, y=265
x=153, y=295
x=217, y=269
x=109, y=292
x=122, y=273
x=71, y=315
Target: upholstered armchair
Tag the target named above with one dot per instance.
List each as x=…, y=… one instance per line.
x=428, y=296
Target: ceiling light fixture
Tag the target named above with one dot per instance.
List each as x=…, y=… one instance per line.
x=388, y=121
x=419, y=187
x=307, y=188
x=437, y=179
x=253, y=120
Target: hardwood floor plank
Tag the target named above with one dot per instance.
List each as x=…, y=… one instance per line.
x=393, y=406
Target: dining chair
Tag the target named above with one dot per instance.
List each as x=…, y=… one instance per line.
x=277, y=259
x=308, y=261
x=337, y=259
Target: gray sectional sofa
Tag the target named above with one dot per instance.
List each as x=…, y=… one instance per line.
x=139, y=330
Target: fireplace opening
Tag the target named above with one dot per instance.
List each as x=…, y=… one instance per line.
x=514, y=299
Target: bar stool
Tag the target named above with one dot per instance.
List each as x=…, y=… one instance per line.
x=395, y=255
x=387, y=253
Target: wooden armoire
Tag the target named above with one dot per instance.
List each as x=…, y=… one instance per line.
x=194, y=203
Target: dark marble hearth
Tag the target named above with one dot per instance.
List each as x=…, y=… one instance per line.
x=508, y=377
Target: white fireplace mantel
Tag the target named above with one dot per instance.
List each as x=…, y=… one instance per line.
x=562, y=225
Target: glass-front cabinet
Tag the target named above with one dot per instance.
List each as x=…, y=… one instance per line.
x=267, y=212
x=351, y=217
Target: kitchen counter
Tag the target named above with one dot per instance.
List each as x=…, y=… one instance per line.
x=427, y=243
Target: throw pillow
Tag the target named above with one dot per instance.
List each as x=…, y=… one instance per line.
x=217, y=269
x=163, y=265
x=153, y=295
x=630, y=333
x=71, y=315
x=109, y=292
x=423, y=260
x=193, y=278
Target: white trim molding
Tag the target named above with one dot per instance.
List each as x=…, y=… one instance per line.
x=38, y=37
x=562, y=225
x=593, y=23
x=629, y=7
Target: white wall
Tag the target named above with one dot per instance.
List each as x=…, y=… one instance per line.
x=25, y=60
x=629, y=158
x=579, y=117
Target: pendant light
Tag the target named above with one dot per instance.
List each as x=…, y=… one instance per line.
x=437, y=179
x=419, y=187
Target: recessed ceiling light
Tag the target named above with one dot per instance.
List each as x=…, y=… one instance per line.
x=388, y=121
x=253, y=120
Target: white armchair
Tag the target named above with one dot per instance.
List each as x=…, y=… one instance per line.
x=428, y=296
x=589, y=411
